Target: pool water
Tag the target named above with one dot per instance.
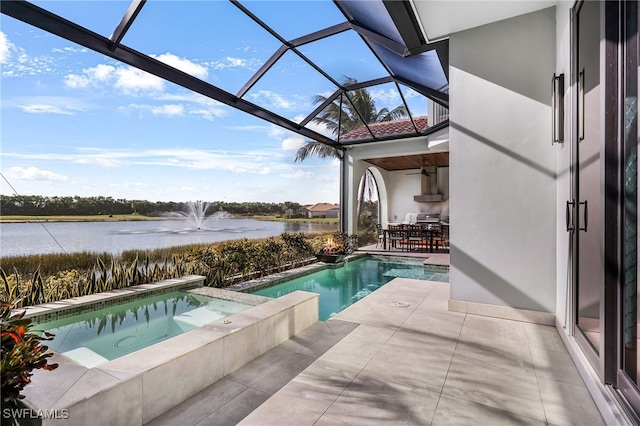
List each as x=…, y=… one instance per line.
x=344, y=286
x=105, y=334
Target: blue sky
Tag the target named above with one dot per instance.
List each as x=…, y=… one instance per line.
x=77, y=123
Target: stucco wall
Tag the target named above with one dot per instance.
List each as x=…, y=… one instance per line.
x=397, y=198
x=503, y=165
x=563, y=159
x=403, y=187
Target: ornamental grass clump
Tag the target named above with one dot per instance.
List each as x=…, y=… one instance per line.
x=222, y=264
x=32, y=289
x=22, y=352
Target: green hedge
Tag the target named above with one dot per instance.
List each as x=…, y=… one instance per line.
x=32, y=280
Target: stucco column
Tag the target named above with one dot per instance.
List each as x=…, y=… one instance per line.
x=347, y=194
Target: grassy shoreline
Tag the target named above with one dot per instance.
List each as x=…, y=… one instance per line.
x=70, y=218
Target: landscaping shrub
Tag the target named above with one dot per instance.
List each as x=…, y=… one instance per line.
x=26, y=282
x=21, y=353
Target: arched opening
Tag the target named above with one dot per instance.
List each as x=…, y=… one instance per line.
x=368, y=207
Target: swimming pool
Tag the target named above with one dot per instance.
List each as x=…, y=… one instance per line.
x=344, y=286
x=105, y=334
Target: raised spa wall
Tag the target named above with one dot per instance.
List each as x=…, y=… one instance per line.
x=138, y=387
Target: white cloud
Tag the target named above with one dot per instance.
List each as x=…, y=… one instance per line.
x=127, y=79
x=132, y=81
x=44, y=109
x=277, y=132
x=184, y=65
x=76, y=81
x=69, y=49
x=231, y=62
x=271, y=98
x=194, y=159
x=33, y=174
x=100, y=72
x=90, y=77
x=168, y=110
x=298, y=174
x=209, y=114
x=316, y=127
x=107, y=163
x=292, y=143
x=48, y=105
x=385, y=95
x=22, y=64
x=5, y=48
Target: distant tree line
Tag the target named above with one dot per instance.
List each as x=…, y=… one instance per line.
x=36, y=205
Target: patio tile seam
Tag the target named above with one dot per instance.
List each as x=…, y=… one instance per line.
x=234, y=377
x=508, y=413
x=535, y=375
x=274, y=394
x=356, y=375
x=512, y=375
x=544, y=408
x=446, y=376
x=205, y=421
x=521, y=414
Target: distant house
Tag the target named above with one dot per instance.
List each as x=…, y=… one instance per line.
x=322, y=210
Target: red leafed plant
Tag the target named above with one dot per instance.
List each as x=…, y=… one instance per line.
x=22, y=352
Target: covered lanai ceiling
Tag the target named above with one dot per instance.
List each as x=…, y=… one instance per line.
x=375, y=47
x=407, y=162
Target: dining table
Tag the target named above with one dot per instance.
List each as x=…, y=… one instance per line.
x=428, y=232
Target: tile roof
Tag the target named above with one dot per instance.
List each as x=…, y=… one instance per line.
x=387, y=128
x=322, y=207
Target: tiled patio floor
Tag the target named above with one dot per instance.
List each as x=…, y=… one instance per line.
x=382, y=362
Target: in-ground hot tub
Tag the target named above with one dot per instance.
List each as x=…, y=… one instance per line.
x=135, y=388
x=107, y=333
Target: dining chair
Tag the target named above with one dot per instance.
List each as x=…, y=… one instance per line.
x=440, y=235
x=380, y=234
x=415, y=237
x=396, y=236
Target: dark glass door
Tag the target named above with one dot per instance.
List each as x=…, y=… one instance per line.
x=588, y=204
x=628, y=374
x=605, y=206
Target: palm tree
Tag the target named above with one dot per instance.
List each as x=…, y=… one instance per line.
x=342, y=117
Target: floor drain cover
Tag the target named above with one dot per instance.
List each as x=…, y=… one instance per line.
x=400, y=304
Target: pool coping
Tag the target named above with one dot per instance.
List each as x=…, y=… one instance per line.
x=280, y=277
x=77, y=305
x=146, y=383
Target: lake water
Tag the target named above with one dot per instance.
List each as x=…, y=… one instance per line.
x=115, y=237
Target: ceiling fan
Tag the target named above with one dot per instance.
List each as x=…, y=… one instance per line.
x=423, y=171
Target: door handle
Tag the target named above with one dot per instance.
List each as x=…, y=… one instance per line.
x=568, y=214
x=581, y=105
x=586, y=216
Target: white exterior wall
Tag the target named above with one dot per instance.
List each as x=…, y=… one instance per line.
x=396, y=188
x=403, y=188
x=503, y=165
x=563, y=161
